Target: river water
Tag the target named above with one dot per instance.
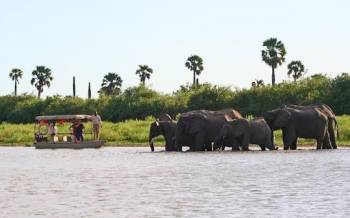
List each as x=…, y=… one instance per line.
x=132, y=182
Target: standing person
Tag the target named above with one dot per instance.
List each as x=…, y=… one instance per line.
x=79, y=132
x=52, y=129
x=96, y=125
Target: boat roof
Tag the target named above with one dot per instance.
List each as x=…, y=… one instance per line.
x=63, y=117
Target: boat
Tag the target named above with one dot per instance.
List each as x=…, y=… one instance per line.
x=46, y=135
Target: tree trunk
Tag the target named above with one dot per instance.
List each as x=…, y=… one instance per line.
x=89, y=91
x=273, y=76
x=39, y=94
x=15, y=88
x=73, y=86
x=194, y=79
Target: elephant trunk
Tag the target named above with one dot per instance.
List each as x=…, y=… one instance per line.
x=151, y=142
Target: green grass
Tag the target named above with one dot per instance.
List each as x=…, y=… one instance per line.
x=131, y=133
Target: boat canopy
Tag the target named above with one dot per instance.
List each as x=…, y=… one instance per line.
x=61, y=118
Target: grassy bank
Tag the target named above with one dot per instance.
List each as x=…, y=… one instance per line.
x=129, y=133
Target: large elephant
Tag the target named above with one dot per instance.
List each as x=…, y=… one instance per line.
x=332, y=120
x=245, y=132
x=202, y=126
x=312, y=124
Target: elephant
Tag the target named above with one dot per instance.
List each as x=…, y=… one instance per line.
x=332, y=120
x=245, y=132
x=311, y=124
x=165, y=126
x=202, y=126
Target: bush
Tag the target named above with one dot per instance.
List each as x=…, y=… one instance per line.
x=140, y=102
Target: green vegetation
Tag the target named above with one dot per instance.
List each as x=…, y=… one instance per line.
x=131, y=133
x=141, y=102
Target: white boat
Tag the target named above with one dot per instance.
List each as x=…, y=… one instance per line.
x=46, y=140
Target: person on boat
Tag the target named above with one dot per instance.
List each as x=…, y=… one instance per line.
x=96, y=125
x=52, y=130
x=79, y=128
x=73, y=131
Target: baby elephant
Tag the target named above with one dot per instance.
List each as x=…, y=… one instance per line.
x=245, y=132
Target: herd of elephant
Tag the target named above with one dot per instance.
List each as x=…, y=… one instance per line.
x=204, y=130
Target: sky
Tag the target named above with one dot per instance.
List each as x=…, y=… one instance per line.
x=87, y=39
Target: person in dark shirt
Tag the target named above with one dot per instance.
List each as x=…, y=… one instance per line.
x=79, y=132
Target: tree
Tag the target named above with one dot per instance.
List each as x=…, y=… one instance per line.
x=195, y=64
x=89, y=91
x=258, y=83
x=144, y=73
x=273, y=55
x=111, y=84
x=295, y=69
x=42, y=76
x=73, y=86
x=15, y=75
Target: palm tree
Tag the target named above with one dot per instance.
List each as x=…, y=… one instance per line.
x=42, y=76
x=273, y=55
x=111, y=84
x=195, y=64
x=258, y=83
x=144, y=73
x=15, y=75
x=296, y=69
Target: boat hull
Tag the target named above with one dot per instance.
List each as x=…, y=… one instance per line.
x=69, y=145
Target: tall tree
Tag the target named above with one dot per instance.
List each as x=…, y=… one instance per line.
x=273, y=55
x=73, y=86
x=42, y=77
x=111, y=84
x=195, y=64
x=144, y=73
x=89, y=91
x=15, y=75
x=295, y=69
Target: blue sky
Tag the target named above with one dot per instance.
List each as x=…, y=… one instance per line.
x=88, y=39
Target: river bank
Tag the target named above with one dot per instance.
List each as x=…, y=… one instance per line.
x=132, y=133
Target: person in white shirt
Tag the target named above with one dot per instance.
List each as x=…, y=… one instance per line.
x=96, y=125
x=52, y=130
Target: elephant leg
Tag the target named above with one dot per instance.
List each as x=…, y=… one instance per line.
x=199, y=142
x=289, y=137
x=245, y=143
x=263, y=147
x=285, y=145
x=326, y=143
x=331, y=132
x=294, y=144
x=208, y=146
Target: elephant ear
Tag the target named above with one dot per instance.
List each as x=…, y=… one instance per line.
x=239, y=127
x=282, y=118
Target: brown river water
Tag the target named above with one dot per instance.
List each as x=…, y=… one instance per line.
x=132, y=182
